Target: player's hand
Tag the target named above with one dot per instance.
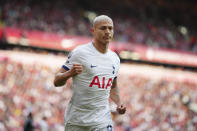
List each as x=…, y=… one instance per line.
x=121, y=109
x=76, y=69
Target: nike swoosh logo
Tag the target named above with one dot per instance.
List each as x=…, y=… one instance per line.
x=92, y=66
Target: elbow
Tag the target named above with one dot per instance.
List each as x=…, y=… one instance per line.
x=57, y=83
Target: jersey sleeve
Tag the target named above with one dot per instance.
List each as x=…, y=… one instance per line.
x=117, y=65
x=73, y=58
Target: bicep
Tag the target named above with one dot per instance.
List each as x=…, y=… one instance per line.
x=73, y=58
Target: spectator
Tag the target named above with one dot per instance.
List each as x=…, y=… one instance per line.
x=153, y=27
x=43, y=124
x=152, y=103
x=29, y=125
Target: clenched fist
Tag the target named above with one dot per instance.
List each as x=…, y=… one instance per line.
x=121, y=109
x=76, y=69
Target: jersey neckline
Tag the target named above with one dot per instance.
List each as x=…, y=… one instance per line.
x=94, y=48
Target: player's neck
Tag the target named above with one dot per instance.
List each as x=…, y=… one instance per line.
x=101, y=47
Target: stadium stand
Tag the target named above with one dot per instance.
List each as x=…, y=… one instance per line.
x=164, y=101
x=153, y=23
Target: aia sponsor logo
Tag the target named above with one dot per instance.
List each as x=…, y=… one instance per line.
x=113, y=67
x=96, y=82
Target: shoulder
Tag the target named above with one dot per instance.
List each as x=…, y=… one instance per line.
x=81, y=49
x=114, y=55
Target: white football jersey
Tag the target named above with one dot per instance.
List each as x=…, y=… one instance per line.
x=89, y=105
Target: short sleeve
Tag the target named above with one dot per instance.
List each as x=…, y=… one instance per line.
x=117, y=64
x=73, y=58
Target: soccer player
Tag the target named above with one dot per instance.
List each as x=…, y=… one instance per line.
x=93, y=68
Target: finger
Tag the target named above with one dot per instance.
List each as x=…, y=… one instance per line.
x=123, y=107
x=123, y=111
x=77, y=65
x=79, y=70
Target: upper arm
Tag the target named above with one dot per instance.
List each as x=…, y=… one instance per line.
x=73, y=58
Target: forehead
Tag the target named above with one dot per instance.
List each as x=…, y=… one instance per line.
x=103, y=23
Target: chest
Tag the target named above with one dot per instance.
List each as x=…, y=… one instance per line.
x=100, y=65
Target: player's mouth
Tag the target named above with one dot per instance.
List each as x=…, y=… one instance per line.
x=107, y=37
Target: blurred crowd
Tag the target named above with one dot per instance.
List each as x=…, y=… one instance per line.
x=26, y=89
x=27, y=94
x=158, y=105
x=159, y=23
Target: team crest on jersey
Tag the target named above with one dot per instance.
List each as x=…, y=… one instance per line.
x=113, y=67
x=109, y=128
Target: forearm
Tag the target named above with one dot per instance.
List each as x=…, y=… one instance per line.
x=61, y=78
x=114, y=95
x=64, y=75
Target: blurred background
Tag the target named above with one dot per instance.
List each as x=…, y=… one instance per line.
x=155, y=40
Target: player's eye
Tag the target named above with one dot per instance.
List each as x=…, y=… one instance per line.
x=110, y=28
x=103, y=28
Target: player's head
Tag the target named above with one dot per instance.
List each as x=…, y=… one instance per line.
x=103, y=29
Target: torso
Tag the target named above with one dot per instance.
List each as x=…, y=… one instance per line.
x=92, y=87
